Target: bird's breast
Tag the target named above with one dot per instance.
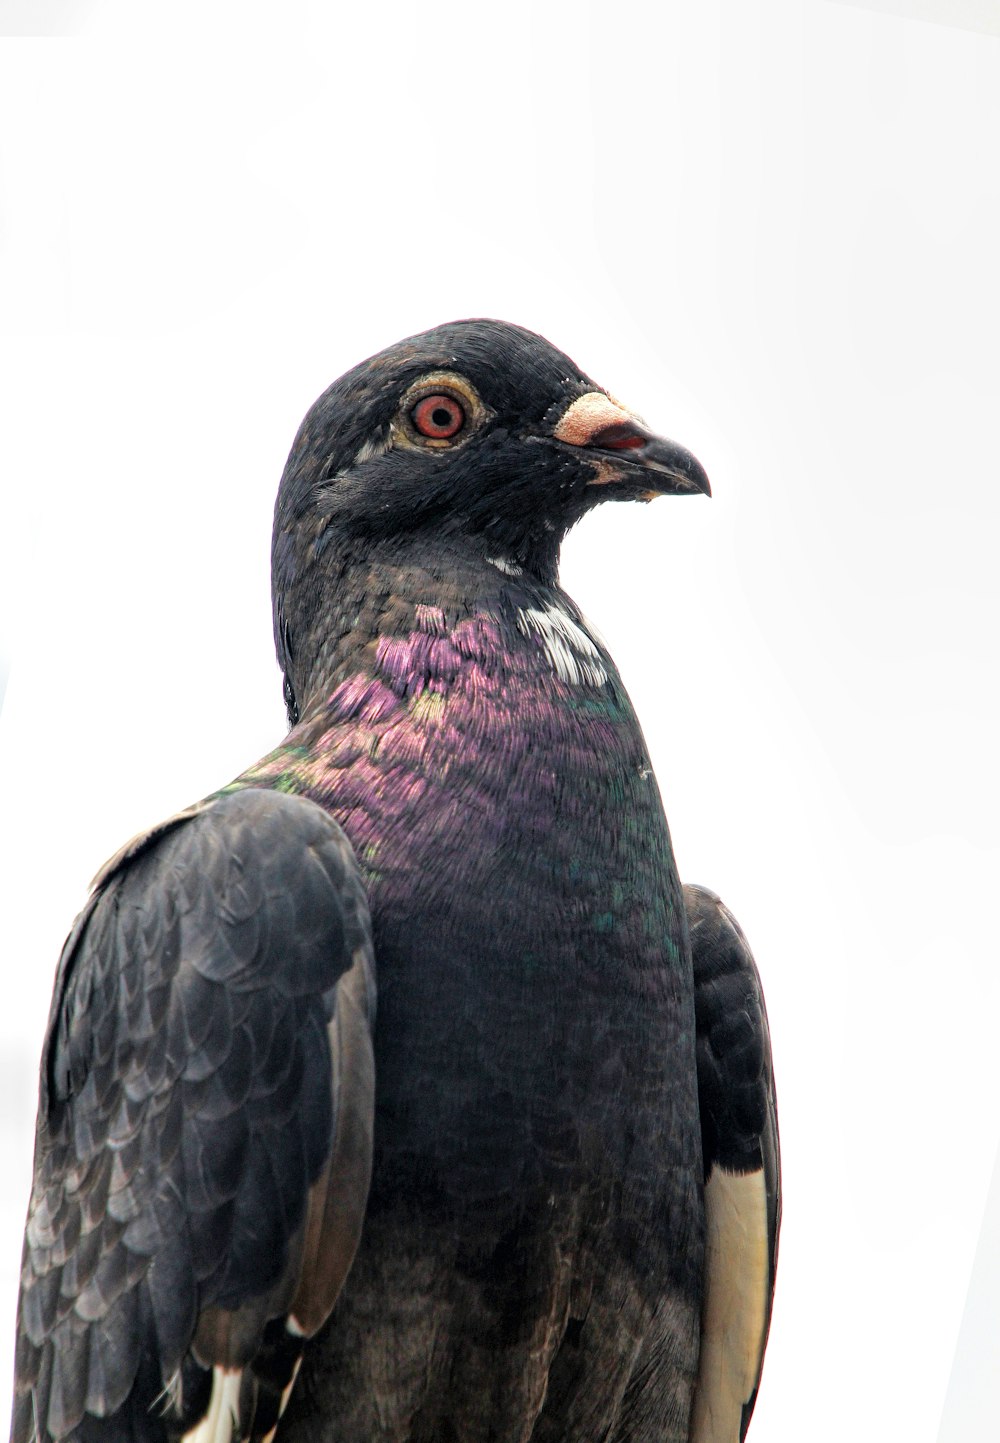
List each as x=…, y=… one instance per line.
x=534, y=984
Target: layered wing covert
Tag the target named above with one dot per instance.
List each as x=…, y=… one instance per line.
x=203, y=1148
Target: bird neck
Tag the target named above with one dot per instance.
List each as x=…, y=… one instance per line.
x=350, y=606
x=419, y=670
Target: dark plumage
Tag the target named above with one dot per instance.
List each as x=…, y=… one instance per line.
x=563, y=1092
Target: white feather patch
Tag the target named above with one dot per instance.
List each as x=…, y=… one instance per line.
x=734, y=1309
x=222, y=1421
x=371, y=447
x=509, y=568
x=573, y=655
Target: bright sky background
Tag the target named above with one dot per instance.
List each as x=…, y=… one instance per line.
x=773, y=228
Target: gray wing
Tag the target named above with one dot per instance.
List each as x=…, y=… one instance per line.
x=203, y=1148
x=739, y=1126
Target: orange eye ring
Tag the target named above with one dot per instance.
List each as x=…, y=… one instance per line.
x=438, y=417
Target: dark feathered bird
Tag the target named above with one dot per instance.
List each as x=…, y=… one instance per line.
x=538, y=1198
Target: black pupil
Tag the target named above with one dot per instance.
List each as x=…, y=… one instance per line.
x=442, y=417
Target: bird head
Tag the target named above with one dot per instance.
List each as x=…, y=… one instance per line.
x=477, y=438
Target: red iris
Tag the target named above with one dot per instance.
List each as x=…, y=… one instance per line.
x=438, y=417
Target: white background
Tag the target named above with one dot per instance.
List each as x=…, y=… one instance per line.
x=772, y=228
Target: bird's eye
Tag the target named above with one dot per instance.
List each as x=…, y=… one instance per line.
x=438, y=417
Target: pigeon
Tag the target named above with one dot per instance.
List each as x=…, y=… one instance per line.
x=398, y=1091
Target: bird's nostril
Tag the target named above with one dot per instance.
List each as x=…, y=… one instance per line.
x=618, y=438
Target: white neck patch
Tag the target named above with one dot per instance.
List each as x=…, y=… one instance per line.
x=572, y=654
x=509, y=568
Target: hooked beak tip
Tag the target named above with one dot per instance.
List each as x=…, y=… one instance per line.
x=600, y=425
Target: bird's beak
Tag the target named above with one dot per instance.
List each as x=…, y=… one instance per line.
x=623, y=450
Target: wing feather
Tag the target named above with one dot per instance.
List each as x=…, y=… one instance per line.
x=741, y=1170
x=205, y=1096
